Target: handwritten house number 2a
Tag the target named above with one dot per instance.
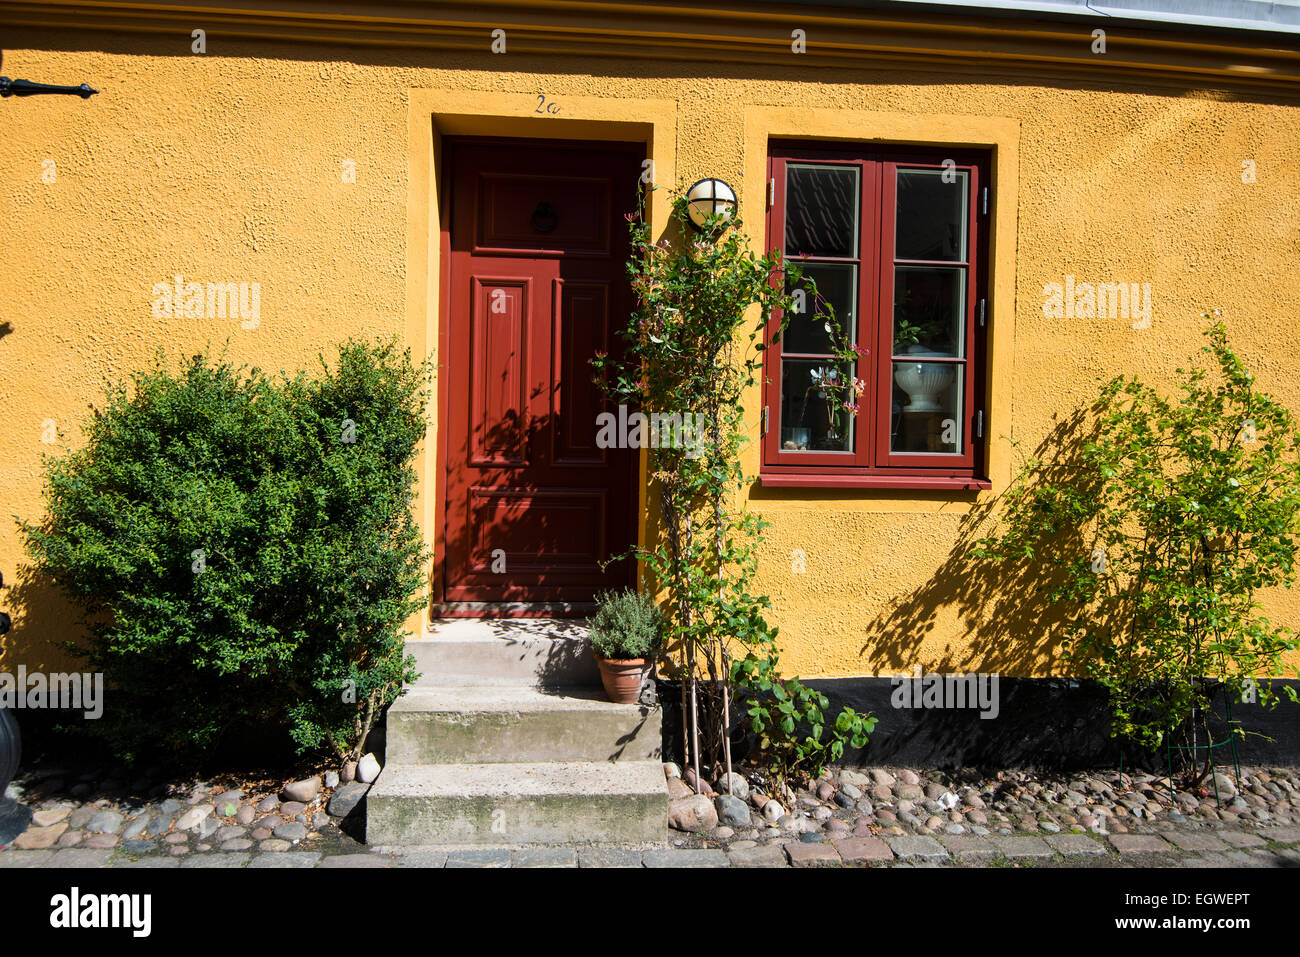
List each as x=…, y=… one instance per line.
x=546, y=107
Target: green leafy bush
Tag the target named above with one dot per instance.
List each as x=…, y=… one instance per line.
x=244, y=549
x=626, y=626
x=789, y=720
x=1156, y=542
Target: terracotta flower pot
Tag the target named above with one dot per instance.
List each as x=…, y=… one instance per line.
x=622, y=679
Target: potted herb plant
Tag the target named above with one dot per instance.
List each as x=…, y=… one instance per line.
x=626, y=635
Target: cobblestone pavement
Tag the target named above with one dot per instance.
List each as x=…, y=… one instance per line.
x=1228, y=847
x=856, y=818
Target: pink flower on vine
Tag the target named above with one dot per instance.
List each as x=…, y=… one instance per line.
x=861, y=350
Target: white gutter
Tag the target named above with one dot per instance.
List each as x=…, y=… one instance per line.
x=1272, y=17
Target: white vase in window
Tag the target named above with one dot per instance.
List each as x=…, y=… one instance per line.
x=923, y=382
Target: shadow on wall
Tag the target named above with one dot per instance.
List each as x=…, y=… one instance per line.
x=1013, y=631
x=43, y=619
x=1011, y=627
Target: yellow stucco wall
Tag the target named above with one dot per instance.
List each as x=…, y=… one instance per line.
x=226, y=167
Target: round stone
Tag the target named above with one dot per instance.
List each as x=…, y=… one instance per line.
x=733, y=784
x=291, y=831
x=106, y=822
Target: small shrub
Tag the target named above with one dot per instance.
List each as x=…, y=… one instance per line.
x=244, y=549
x=788, y=720
x=626, y=625
x=1156, y=543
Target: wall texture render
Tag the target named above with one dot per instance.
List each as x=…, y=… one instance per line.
x=226, y=167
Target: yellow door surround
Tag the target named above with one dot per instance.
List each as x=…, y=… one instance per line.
x=434, y=114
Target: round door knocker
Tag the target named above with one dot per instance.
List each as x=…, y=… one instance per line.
x=545, y=218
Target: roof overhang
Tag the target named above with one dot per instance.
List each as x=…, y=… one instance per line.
x=853, y=34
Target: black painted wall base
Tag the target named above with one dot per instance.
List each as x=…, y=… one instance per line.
x=1047, y=723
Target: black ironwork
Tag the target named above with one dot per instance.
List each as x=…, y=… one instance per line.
x=545, y=218
x=10, y=87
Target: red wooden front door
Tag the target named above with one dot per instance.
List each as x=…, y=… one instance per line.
x=538, y=253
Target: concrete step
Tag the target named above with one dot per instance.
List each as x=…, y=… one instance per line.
x=539, y=803
x=539, y=652
x=503, y=724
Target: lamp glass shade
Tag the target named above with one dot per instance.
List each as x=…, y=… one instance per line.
x=710, y=197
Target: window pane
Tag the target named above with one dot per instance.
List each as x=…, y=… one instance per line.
x=927, y=408
x=931, y=215
x=929, y=311
x=837, y=291
x=821, y=210
x=813, y=417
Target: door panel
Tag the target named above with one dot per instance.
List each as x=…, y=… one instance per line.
x=499, y=376
x=538, y=251
x=509, y=217
x=582, y=329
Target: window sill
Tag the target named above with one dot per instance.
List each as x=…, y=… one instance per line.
x=942, y=483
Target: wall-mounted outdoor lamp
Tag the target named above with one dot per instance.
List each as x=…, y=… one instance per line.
x=10, y=87
x=710, y=198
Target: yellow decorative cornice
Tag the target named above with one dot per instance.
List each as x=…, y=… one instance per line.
x=714, y=33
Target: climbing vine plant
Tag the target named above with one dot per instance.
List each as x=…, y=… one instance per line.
x=690, y=356
x=1156, y=541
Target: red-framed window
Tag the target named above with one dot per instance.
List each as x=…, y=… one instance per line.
x=895, y=242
